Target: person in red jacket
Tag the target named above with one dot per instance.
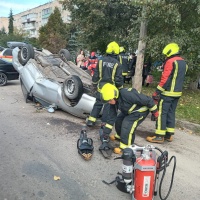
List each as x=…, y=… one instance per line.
x=92, y=63
x=168, y=92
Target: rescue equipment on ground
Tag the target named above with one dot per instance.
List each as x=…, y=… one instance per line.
x=140, y=172
x=105, y=148
x=85, y=145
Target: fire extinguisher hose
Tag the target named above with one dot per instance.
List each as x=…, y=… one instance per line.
x=172, y=177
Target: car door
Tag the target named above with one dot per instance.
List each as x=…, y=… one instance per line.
x=8, y=69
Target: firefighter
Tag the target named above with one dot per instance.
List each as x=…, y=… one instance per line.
x=134, y=108
x=124, y=60
x=108, y=70
x=168, y=92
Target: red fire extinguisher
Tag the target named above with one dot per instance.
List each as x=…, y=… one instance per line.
x=140, y=172
x=144, y=176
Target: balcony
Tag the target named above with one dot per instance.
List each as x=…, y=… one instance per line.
x=29, y=18
x=30, y=27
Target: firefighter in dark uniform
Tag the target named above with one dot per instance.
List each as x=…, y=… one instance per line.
x=168, y=92
x=108, y=70
x=134, y=108
x=124, y=60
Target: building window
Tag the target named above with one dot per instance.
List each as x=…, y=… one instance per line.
x=46, y=12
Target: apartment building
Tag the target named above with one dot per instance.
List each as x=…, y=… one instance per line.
x=31, y=20
x=4, y=23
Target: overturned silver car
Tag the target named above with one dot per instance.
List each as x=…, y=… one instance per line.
x=53, y=80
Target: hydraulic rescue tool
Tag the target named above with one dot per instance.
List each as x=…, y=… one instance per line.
x=85, y=145
x=140, y=172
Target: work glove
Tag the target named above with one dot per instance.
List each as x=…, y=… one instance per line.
x=156, y=97
x=154, y=116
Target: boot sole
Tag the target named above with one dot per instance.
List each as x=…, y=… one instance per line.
x=168, y=140
x=153, y=141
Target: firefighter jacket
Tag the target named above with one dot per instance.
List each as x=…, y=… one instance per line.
x=108, y=70
x=124, y=60
x=92, y=63
x=171, y=83
x=130, y=100
x=92, y=60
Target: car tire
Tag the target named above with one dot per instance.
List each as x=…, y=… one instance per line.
x=26, y=52
x=64, y=55
x=73, y=87
x=3, y=79
x=24, y=91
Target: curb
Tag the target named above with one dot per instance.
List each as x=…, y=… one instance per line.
x=191, y=127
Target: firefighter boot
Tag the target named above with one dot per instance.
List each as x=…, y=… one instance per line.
x=168, y=138
x=117, y=150
x=90, y=123
x=155, y=139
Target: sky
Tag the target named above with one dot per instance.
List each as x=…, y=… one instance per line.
x=18, y=6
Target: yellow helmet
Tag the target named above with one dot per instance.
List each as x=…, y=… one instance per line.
x=121, y=49
x=109, y=92
x=171, y=49
x=112, y=48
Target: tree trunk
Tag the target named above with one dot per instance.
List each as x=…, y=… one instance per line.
x=194, y=85
x=137, y=79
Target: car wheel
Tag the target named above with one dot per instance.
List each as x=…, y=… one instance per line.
x=65, y=55
x=73, y=87
x=3, y=79
x=24, y=91
x=26, y=52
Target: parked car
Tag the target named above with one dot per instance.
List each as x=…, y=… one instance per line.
x=7, y=72
x=6, y=54
x=53, y=80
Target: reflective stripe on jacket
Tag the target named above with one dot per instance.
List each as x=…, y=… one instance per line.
x=124, y=60
x=130, y=100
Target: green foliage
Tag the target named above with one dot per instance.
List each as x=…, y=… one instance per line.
x=189, y=106
x=6, y=38
x=10, y=26
x=53, y=35
x=175, y=21
x=99, y=22
x=3, y=31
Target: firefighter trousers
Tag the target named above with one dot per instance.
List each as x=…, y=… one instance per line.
x=126, y=126
x=165, y=125
x=96, y=110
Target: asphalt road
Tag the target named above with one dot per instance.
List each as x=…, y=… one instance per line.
x=36, y=146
